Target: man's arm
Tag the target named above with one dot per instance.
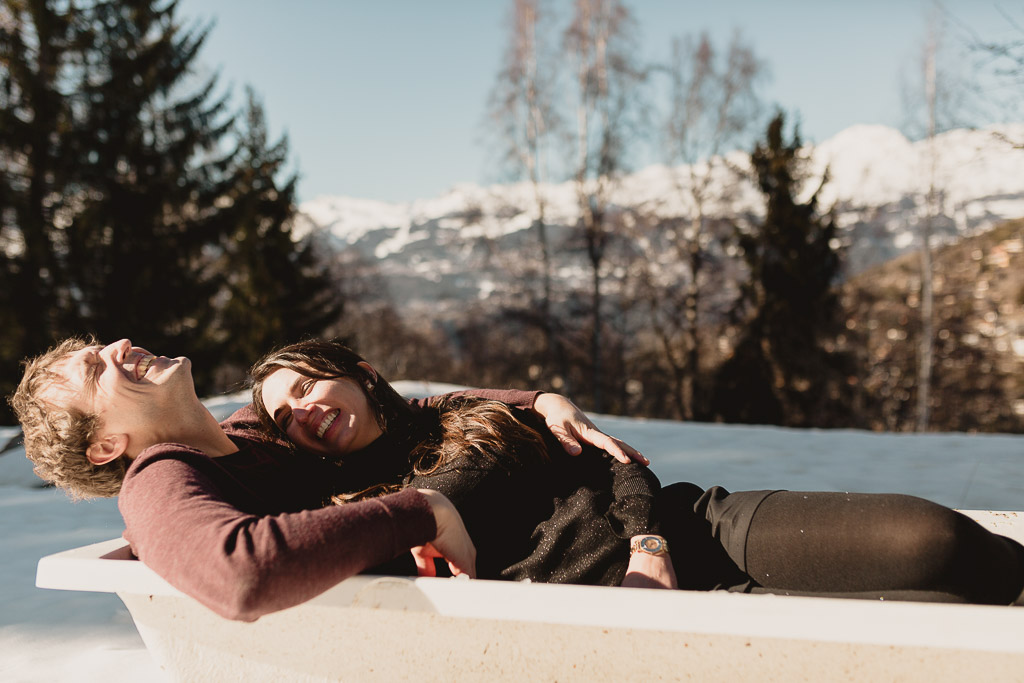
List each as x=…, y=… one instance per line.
x=242, y=565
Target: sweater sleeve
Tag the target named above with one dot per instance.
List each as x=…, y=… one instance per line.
x=512, y=397
x=634, y=487
x=243, y=566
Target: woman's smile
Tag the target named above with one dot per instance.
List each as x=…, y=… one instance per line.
x=331, y=417
x=326, y=423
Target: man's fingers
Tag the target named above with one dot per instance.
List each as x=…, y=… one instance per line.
x=452, y=541
x=424, y=560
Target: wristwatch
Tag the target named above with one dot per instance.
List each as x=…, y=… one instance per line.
x=652, y=545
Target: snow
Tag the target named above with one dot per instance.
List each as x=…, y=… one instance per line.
x=977, y=171
x=50, y=635
x=359, y=216
x=853, y=158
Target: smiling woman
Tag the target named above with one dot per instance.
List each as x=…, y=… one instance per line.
x=343, y=414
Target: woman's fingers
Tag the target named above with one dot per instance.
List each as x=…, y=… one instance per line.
x=620, y=450
x=573, y=428
x=569, y=442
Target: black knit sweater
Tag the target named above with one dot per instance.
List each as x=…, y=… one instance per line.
x=564, y=519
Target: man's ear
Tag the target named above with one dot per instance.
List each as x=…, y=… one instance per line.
x=369, y=368
x=107, y=449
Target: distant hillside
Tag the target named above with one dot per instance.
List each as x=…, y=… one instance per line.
x=435, y=254
x=979, y=313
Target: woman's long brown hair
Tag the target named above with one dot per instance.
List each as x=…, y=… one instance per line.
x=477, y=429
x=457, y=426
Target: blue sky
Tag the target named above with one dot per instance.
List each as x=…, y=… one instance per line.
x=386, y=99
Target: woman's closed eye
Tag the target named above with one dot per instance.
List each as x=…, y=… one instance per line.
x=299, y=389
x=304, y=389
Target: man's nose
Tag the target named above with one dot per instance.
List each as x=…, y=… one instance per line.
x=121, y=345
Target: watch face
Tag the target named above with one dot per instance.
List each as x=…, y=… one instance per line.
x=651, y=544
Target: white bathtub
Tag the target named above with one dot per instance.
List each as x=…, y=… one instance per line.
x=386, y=628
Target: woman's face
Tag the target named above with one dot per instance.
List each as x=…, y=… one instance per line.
x=330, y=417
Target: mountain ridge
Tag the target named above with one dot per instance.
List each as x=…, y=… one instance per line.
x=434, y=248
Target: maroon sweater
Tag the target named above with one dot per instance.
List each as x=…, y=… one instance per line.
x=247, y=533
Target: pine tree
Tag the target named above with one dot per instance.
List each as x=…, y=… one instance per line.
x=149, y=177
x=126, y=191
x=785, y=369
x=35, y=41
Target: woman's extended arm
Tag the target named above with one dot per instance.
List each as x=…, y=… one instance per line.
x=570, y=425
x=567, y=422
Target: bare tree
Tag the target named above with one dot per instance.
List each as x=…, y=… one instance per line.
x=940, y=97
x=713, y=106
x=600, y=43
x=522, y=106
x=926, y=343
x=1003, y=61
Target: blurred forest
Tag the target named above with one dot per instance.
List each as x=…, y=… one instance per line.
x=135, y=203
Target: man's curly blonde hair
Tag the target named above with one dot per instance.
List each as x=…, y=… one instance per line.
x=56, y=438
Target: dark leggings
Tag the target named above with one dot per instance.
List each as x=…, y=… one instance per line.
x=885, y=546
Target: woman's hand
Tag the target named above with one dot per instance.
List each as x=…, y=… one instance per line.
x=451, y=543
x=571, y=426
x=649, y=571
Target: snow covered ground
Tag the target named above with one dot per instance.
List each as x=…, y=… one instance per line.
x=67, y=636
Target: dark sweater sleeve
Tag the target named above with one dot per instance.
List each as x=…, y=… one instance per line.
x=512, y=397
x=243, y=566
x=633, y=490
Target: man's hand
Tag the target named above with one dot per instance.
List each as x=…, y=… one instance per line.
x=571, y=426
x=452, y=541
x=650, y=571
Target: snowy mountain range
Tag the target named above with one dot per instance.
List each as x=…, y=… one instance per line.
x=446, y=247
